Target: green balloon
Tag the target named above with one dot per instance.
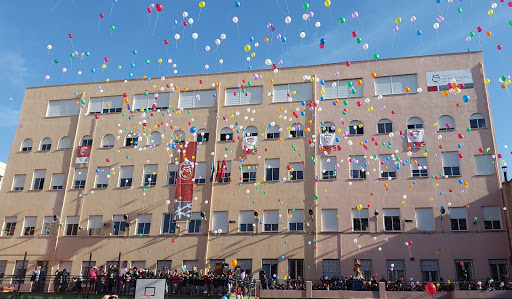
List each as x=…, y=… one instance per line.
x=56, y=61
x=349, y=83
x=510, y=23
x=145, y=93
x=147, y=61
x=471, y=34
x=354, y=91
x=468, y=129
x=459, y=10
x=358, y=40
x=71, y=55
x=140, y=235
x=82, y=101
x=475, y=218
x=112, y=27
x=469, y=50
x=503, y=78
x=342, y=20
x=376, y=56
x=127, y=157
x=306, y=6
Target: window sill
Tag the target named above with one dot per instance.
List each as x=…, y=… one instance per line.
x=246, y=233
x=387, y=178
x=46, y=236
x=357, y=179
x=291, y=138
x=293, y=181
x=484, y=175
x=454, y=176
x=105, y=147
x=123, y=188
x=270, y=232
x=328, y=180
x=393, y=231
x=273, y=181
x=248, y=182
x=478, y=128
x=446, y=131
x=361, y=231
x=383, y=134
x=17, y=191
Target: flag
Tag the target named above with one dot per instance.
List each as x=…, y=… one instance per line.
x=185, y=182
x=221, y=171
x=416, y=138
x=82, y=154
x=250, y=145
x=213, y=171
x=327, y=141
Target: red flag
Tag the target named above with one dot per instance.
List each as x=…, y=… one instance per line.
x=185, y=182
x=82, y=154
x=222, y=170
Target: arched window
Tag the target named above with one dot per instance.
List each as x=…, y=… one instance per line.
x=26, y=145
x=155, y=138
x=384, y=126
x=414, y=123
x=202, y=135
x=226, y=134
x=46, y=144
x=296, y=131
x=131, y=140
x=108, y=141
x=327, y=127
x=446, y=123
x=273, y=132
x=178, y=136
x=251, y=131
x=86, y=140
x=477, y=121
x=64, y=143
x=355, y=127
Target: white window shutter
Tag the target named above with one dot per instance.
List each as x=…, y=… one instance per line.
x=149, y=169
x=101, y=176
x=419, y=162
x=162, y=101
x=200, y=171
x=328, y=163
x=254, y=95
x=140, y=101
x=95, y=222
x=126, y=172
x=69, y=107
x=206, y=98
x=272, y=163
x=144, y=218
x=58, y=179
x=280, y=93
x=399, y=83
x=483, y=164
x=270, y=217
x=220, y=221
x=391, y=212
x=108, y=140
x=95, y=105
x=457, y=213
x=172, y=167
x=450, y=159
x=53, y=109
x=118, y=218
x=297, y=166
x=39, y=173
x=246, y=217
x=363, y=213
x=72, y=220
x=445, y=119
x=297, y=216
x=357, y=162
x=80, y=174
x=387, y=163
x=19, y=180
x=491, y=213
x=49, y=220
x=425, y=219
x=302, y=92
x=65, y=143
x=329, y=220
x=186, y=99
x=233, y=96
x=330, y=91
x=228, y=166
x=114, y=102
x=383, y=86
x=30, y=221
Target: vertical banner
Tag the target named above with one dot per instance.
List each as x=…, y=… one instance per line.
x=416, y=138
x=250, y=145
x=185, y=182
x=327, y=141
x=82, y=154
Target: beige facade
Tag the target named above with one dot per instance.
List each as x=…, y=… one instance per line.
x=329, y=241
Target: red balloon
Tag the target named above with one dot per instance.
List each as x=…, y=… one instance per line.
x=166, y=42
x=108, y=160
x=125, y=95
x=102, y=15
x=354, y=33
x=430, y=288
x=322, y=46
x=506, y=275
x=149, y=10
x=479, y=29
x=510, y=4
x=105, y=59
x=347, y=63
x=410, y=243
x=499, y=47
x=159, y=7
x=70, y=35
x=274, y=66
x=185, y=24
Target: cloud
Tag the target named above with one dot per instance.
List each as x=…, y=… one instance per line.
x=9, y=118
x=12, y=68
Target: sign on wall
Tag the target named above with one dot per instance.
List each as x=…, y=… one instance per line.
x=438, y=81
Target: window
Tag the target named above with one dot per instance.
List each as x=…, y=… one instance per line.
x=296, y=171
x=414, y=123
x=329, y=220
x=245, y=265
x=451, y=163
x=360, y=220
x=105, y=105
x=396, y=269
x=226, y=176
x=20, y=271
x=39, y=175
x=26, y=145
x=86, y=267
x=458, y=219
x=250, y=131
x=143, y=224
x=119, y=225
x=273, y=132
x=72, y=226
x=247, y=96
x=150, y=174
x=272, y=170
x=342, y=89
x=168, y=224
x=498, y=269
x=330, y=268
x=197, y=99
x=226, y=134
x=425, y=219
x=384, y=126
x=178, y=136
x=355, y=128
x=296, y=131
x=366, y=268
x=102, y=176
x=246, y=221
x=464, y=270
x=86, y=140
x=46, y=144
x=3, y=265
x=220, y=222
x=125, y=176
x=327, y=127
x=163, y=265
x=271, y=220
x=446, y=123
x=131, y=140
x=269, y=266
x=200, y=173
x=79, y=179
x=62, y=108
x=396, y=84
x=477, y=121
x=391, y=219
x=202, y=135
x=172, y=174
x=484, y=164
x=328, y=165
x=18, y=182
x=248, y=173
x=429, y=270
x=156, y=102
x=296, y=220
x=296, y=269
x=419, y=167
x=387, y=166
x=49, y=226
x=190, y=265
x=297, y=92
x=64, y=143
x=492, y=217
x=155, y=138
x=194, y=224
x=29, y=226
x=108, y=141
x=357, y=167
x=95, y=223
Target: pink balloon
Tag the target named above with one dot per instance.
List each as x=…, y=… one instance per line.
x=355, y=15
x=354, y=33
x=395, y=28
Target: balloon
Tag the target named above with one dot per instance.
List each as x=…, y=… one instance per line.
x=418, y=33
x=102, y=15
x=465, y=98
x=288, y=20
x=202, y=4
x=149, y=10
x=237, y=4
x=247, y=48
x=185, y=14
x=195, y=35
x=499, y=47
x=365, y=46
x=223, y=36
x=318, y=24
x=342, y=20
x=49, y=47
x=327, y=3
x=234, y=263
x=413, y=19
x=436, y=26
x=235, y=20
x=303, y=34
x=398, y=20
x=354, y=33
x=355, y=15
x=166, y=42
x=176, y=36
x=395, y=29
x=322, y=41
x=306, y=6
x=430, y=288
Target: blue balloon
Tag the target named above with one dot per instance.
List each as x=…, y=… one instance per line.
x=418, y=33
x=302, y=113
x=438, y=1
x=87, y=53
x=237, y=4
x=303, y=103
x=115, y=1
x=175, y=22
x=461, y=181
x=442, y=207
x=251, y=39
x=97, y=170
x=465, y=98
x=322, y=41
x=283, y=39
x=214, y=95
x=250, y=67
x=282, y=257
x=130, y=75
x=133, y=65
x=193, y=129
x=459, y=145
x=93, y=70
x=134, y=52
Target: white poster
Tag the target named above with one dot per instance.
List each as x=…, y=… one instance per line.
x=416, y=138
x=327, y=141
x=437, y=81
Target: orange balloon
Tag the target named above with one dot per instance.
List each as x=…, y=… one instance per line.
x=445, y=93
x=457, y=105
x=234, y=263
x=373, y=75
x=185, y=89
x=126, y=101
x=407, y=89
x=359, y=82
x=488, y=33
x=385, y=185
x=271, y=80
x=266, y=39
x=503, y=86
x=216, y=84
x=306, y=129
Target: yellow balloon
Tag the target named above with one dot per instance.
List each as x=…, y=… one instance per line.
x=398, y=20
x=507, y=82
x=490, y=12
x=103, y=66
x=202, y=4
x=487, y=81
x=327, y=3
x=160, y=60
x=119, y=67
x=253, y=54
x=247, y=48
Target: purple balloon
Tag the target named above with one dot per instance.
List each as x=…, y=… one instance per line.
x=272, y=27
x=280, y=62
x=268, y=25
x=440, y=19
x=75, y=53
x=152, y=5
x=336, y=74
x=395, y=28
x=355, y=15
x=311, y=14
x=508, y=77
x=279, y=36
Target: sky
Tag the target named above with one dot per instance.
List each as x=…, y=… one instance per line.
x=27, y=30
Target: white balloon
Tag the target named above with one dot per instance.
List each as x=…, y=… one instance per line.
x=288, y=20
x=223, y=36
x=318, y=24
x=176, y=36
x=195, y=35
x=49, y=47
x=413, y=19
x=64, y=69
x=419, y=90
x=256, y=45
x=206, y=66
x=303, y=34
x=235, y=20
x=268, y=61
x=207, y=48
x=217, y=42
x=185, y=14
x=191, y=21
x=305, y=17
x=221, y=61
x=436, y=26
x=365, y=46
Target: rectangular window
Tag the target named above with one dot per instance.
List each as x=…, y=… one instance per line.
x=172, y=174
x=216, y=264
x=95, y=224
x=360, y=220
x=272, y=170
x=498, y=269
x=328, y=168
x=429, y=270
x=49, y=226
x=246, y=221
x=296, y=172
x=451, y=164
x=119, y=225
x=143, y=224
x=296, y=220
x=39, y=175
x=425, y=219
x=396, y=84
x=3, y=265
x=342, y=89
x=396, y=269
x=271, y=220
x=194, y=224
x=86, y=268
x=18, y=182
x=163, y=265
x=492, y=217
x=458, y=219
x=296, y=269
x=29, y=226
x=391, y=219
x=57, y=181
x=366, y=268
x=79, y=178
x=236, y=96
x=62, y=108
x=357, y=167
x=190, y=265
x=464, y=270
x=226, y=176
x=72, y=226
x=125, y=176
x=269, y=266
x=296, y=131
x=197, y=99
x=331, y=268
x=146, y=102
x=9, y=226
x=484, y=165
x=200, y=173
x=329, y=220
x=296, y=92
x=20, y=272
x=387, y=166
x=150, y=174
x=220, y=222
x=248, y=173
x=105, y=105
x=102, y=174
x=273, y=132
x=245, y=265
x=419, y=167
x=168, y=224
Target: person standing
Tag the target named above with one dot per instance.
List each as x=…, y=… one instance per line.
x=36, y=279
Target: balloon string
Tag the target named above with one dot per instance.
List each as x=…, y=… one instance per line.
x=97, y=29
x=112, y=8
x=154, y=28
x=55, y=5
